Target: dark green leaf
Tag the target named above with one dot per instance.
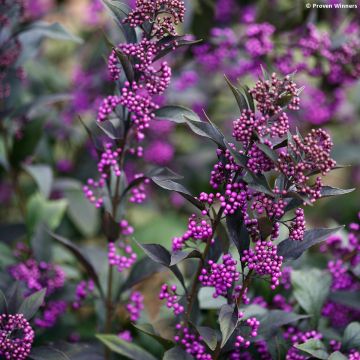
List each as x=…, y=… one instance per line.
x=122, y=347
x=327, y=191
x=31, y=304
x=149, y=330
x=176, y=114
x=41, y=243
x=238, y=232
x=228, y=319
x=26, y=145
x=142, y=270
x=113, y=128
x=79, y=254
x=14, y=297
x=177, y=353
x=209, y=336
x=271, y=322
x=337, y=355
x=258, y=182
x=293, y=249
x=43, y=177
x=159, y=254
x=11, y=232
x=179, y=256
x=240, y=98
x=347, y=298
x=270, y=153
x=314, y=348
x=179, y=43
x=308, y=292
x=82, y=213
x=351, y=338
x=126, y=65
x=171, y=185
x=119, y=12
x=3, y=303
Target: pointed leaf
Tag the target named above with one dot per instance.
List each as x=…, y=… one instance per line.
x=149, y=330
x=177, y=353
x=209, y=336
x=79, y=255
x=314, y=348
x=32, y=303
x=310, y=296
x=228, y=319
x=122, y=347
x=351, y=339
x=293, y=249
x=179, y=256
x=43, y=176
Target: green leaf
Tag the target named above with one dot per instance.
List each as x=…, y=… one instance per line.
x=274, y=319
x=311, y=289
x=82, y=213
x=180, y=115
x=149, y=330
x=113, y=128
x=314, y=348
x=228, y=319
x=209, y=336
x=179, y=256
x=258, y=182
x=207, y=301
x=270, y=153
x=6, y=256
x=119, y=11
x=238, y=232
x=169, y=48
x=125, y=348
x=50, y=212
x=159, y=254
x=41, y=243
x=31, y=38
x=32, y=303
x=351, y=338
x=143, y=269
x=337, y=355
x=292, y=249
x=347, y=298
x=83, y=259
x=177, y=353
x=241, y=100
x=43, y=177
x=26, y=145
x=327, y=191
x=12, y=232
x=171, y=185
x=176, y=114
x=3, y=303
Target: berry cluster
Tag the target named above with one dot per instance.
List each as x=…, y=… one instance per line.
x=169, y=293
x=220, y=276
x=83, y=290
x=163, y=14
x=123, y=261
x=38, y=275
x=258, y=42
x=198, y=229
x=191, y=343
x=263, y=259
x=52, y=311
x=16, y=337
x=254, y=324
x=297, y=228
x=135, y=305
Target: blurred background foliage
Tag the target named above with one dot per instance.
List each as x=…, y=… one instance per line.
x=74, y=75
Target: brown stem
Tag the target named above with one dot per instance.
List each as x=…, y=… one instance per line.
x=245, y=286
